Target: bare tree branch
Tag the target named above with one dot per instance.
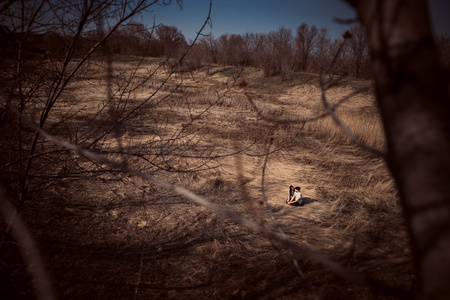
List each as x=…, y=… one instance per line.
x=29, y=250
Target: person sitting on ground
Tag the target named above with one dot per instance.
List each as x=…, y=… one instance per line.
x=291, y=193
x=297, y=198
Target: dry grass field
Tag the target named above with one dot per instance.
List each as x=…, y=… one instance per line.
x=129, y=239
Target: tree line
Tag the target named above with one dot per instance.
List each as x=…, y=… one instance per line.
x=283, y=52
x=280, y=52
x=308, y=49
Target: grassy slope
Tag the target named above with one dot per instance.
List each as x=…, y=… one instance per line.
x=127, y=239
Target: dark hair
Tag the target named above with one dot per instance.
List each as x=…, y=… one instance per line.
x=297, y=188
x=291, y=187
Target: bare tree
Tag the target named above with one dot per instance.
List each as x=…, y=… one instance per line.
x=412, y=93
x=133, y=39
x=283, y=52
x=274, y=53
x=171, y=39
x=322, y=53
x=210, y=46
x=359, y=47
x=305, y=41
x=262, y=55
x=231, y=49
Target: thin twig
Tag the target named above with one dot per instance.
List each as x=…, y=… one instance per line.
x=144, y=241
x=140, y=271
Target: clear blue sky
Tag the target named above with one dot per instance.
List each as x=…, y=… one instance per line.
x=262, y=16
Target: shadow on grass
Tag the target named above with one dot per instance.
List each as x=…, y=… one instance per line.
x=307, y=200
x=227, y=71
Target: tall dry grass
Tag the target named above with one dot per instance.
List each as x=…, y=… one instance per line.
x=364, y=123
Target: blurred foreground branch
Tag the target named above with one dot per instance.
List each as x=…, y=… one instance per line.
x=28, y=249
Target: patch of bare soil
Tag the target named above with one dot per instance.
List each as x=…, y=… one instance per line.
x=109, y=238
